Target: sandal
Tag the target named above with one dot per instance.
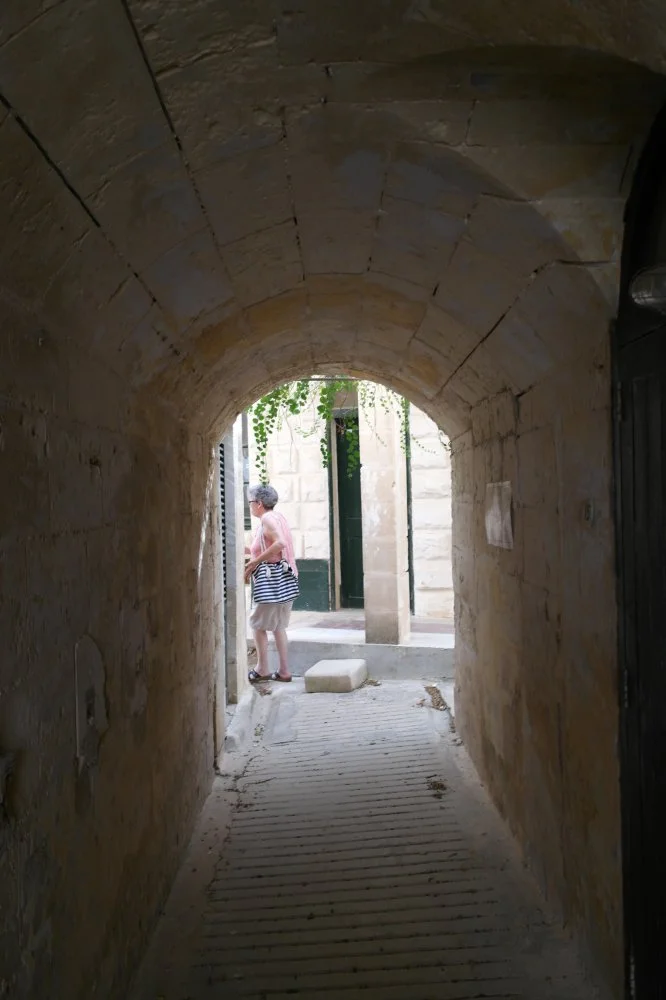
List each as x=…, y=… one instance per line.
x=255, y=678
x=277, y=676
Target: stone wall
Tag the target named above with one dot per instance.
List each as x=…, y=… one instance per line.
x=431, y=519
x=536, y=642
x=110, y=610
x=295, y=470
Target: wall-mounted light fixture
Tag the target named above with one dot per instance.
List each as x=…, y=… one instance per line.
x=648, y=288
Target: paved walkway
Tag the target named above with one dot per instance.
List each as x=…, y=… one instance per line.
x=350, y=853
x=348, y=627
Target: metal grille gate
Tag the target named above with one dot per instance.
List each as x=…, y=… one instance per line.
x=223, y=523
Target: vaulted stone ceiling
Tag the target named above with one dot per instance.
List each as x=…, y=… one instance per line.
x=212, y=197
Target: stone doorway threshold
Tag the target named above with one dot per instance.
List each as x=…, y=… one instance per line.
x=350, y=619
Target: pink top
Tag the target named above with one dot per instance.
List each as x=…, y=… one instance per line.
x=259, y=543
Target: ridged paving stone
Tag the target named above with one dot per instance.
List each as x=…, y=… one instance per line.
x=352, y=853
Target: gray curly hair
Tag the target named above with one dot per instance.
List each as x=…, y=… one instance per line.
x=266, y=495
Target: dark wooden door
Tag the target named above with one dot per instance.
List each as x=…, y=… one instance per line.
x=351, y=522
x=640, y=456
x=642, y=440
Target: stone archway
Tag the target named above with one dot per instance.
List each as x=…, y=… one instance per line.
x=196, y=210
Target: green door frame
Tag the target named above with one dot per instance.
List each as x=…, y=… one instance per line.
x=332, y=450
x=336, y=583
x=410, y=517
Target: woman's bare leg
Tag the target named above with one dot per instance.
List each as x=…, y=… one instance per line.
x=261, y=642
x=282, y=646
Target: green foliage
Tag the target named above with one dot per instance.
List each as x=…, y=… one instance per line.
x=323, y=396
x=267, y=414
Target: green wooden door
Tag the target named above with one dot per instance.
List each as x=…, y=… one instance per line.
x=351, y=532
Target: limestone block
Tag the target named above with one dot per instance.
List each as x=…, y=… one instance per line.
x=434, y=603
x=379, y=554
x=336, y=676
x=280, y=317
x=336, y=241
x=429, y=436
x=426, y=368
x=458, y=290
x=430, y=483
x=388, y=313
x=415, y=242
x=563, y=389
x=592, y=227
x=179, y=36
x=463, y=525
x=431, y=545
x=283, y=460
x=95, y=39
x=431, y=514
x=428, y=458
x=316, y=544
x=436, y=180
x=429, y=455
x=453, y=412
x=565, y=120
x=260, y=189
x=299, y=542
x=91, y=712
x=448, y=335
x=523, y=357
x=289, y=510
x=539, y=170
x=434, y=575
x=538, y=467
x=264, y=264
x=478, y=378
x=284, y=360
x=169, y=211
x=314, y=488
x=404, y=287
x=498, y=223
x=42, y=223
x=565, y=308
x=189, y=279
x=75, y=479
x=385, y=627
x=289, y=488
x=436, y=121
x=327, y=169
x=420, y=423
x=314, y=516
x=542, y=555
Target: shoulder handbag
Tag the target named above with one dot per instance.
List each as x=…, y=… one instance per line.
x=274, y=583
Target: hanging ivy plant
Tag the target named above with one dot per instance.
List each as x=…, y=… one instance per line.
x=322, y=396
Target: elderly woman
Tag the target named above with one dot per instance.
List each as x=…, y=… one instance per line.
x=272, y=543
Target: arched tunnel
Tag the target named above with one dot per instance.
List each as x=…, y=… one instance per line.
x=200, y=201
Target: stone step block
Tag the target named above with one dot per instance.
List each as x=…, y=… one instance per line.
x=337, y=676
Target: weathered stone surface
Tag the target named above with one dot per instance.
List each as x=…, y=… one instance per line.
x=336, y=676
x=265, y=264
x=261, y=195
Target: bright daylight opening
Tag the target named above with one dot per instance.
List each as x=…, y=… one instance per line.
x=364, y=481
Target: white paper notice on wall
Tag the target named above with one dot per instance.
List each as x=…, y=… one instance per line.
x=499, y=529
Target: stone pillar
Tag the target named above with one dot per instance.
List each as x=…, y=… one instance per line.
x=384, y=505
x=235, y=610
